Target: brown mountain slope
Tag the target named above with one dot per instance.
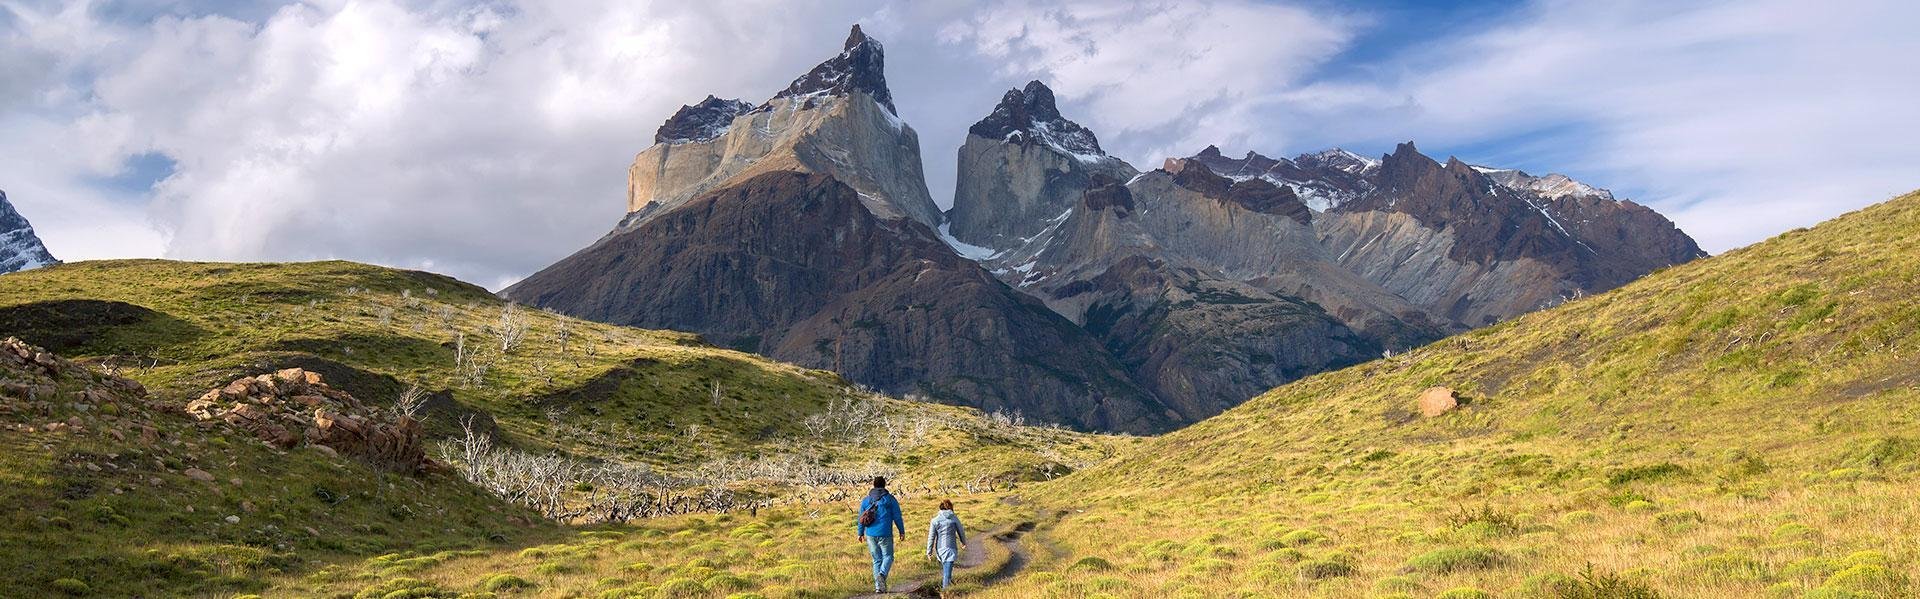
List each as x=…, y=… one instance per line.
x=794, y=267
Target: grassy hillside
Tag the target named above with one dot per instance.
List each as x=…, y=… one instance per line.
x=103, y=505
x=660, y=398
x=1742, y=426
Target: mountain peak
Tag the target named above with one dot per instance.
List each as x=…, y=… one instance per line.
x=861, y=66
x=20, y=249
x=708, y=119
x=1029, y=115
x=855, y=38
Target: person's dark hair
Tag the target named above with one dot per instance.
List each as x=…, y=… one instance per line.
x=879, y=482
x=946, y=504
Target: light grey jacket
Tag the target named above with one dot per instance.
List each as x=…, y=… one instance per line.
x=945, y=535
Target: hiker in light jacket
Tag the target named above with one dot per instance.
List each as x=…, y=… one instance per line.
x=945, y=536
x=879, y=517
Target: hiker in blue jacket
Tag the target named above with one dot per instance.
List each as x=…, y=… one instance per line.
x=879, y=517
x=945, y=537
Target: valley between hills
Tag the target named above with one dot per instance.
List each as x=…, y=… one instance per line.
x=1324, y=376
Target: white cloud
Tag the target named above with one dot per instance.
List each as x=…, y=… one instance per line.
x=1153, y=77
x=487, y=140
x=484, y=140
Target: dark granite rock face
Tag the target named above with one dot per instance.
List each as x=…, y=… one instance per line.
x=1512, y=244
x=701, y=122
x=793, y=267
x=1489, y=222
x=1205, y=344
x=861, y=66
x=1108, y=193
x=1023, y=167
x=1258, y=195
x=1029, y=116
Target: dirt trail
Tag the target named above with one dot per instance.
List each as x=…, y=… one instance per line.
x=973, y=556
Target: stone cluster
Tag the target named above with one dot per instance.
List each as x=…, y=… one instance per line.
x=293, y=406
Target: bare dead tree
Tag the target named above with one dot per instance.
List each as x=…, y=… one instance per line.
x=510, y=328
x=410, y=401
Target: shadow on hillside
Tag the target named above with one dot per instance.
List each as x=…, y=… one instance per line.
x=85, y=327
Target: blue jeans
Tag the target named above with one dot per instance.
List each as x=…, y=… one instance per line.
x=946, y=574
x=881, y=549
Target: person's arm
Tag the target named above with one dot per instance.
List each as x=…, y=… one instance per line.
x=960, y=531
x=932, y=527
x=899, y=523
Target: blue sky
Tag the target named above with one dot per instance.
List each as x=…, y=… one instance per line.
x=487, y=139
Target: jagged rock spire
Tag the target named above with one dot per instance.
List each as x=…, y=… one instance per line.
x=861, y=66
x=1031, y=113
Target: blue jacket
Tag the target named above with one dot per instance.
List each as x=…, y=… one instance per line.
x=888, y=510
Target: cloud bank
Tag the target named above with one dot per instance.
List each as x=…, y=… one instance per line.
x=487, y=139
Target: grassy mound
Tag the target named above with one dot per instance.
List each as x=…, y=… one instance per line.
x=1730, y=427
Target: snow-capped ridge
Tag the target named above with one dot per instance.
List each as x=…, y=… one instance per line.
x=20, y=248
x=1029, y=115
x=706, y=120
x=860, y=66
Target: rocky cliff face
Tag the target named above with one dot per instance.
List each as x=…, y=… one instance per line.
x=1478, y=248
x=796, y=267
x=1023, y=165
x=1208, y=289
x=1213, y=278
x=1064, y=282
x=1321, y=180
x=838, y=119
x=801, y=229
x=20, y=249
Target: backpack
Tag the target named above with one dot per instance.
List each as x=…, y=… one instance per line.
x=871, y=515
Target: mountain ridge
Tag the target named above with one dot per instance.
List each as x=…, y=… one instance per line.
x=20, y=248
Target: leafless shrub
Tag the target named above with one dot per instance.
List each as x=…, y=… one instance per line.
x=410, y=401
x=468, y=368
x=510, y=328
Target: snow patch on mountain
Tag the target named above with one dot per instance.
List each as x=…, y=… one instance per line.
x=20, y=248
x=1554, y=185
x=964, y=249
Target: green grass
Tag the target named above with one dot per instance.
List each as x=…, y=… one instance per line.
x=1734, y=426
x=586, y=390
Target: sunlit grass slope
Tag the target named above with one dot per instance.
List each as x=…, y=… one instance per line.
x=1741, y=426
x=102, y=510
x=642, y=396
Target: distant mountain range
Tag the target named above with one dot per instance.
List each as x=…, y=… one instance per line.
x=1065, y=283
x=20, y=249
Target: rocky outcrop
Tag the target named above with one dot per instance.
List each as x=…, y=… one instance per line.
x=794, y=266
x=838, y=120
x=1453, y=240
x=1322, y=180
x=1023, y=165
x=292, y=407
x=20, y=249
x=709, y=119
